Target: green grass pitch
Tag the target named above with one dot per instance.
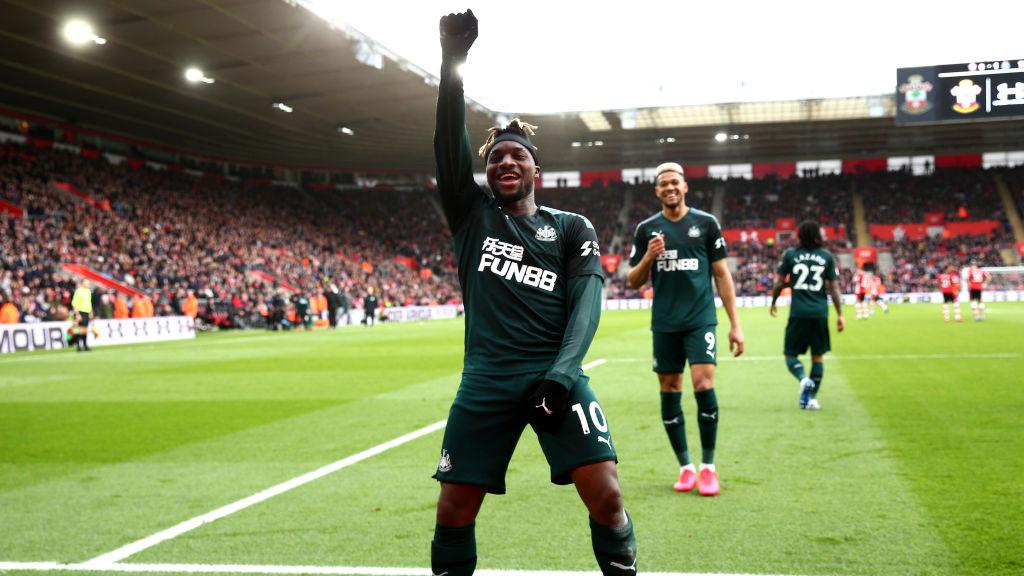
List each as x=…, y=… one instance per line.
x=913, y=466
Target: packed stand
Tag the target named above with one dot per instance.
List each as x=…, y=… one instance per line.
x=917, y=262
x=759, y=203
x=956, y=193
x=167, y=233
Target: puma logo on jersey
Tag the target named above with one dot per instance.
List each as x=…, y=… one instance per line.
x=543, y=406
x=623, y=566
x=605, y=440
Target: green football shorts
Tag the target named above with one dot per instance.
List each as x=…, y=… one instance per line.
x=489, y=415
x=672, y=350
x=802, y=333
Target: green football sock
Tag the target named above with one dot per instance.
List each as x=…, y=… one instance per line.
x=707, y=421
x=817, y=372
x=796, y=368
x=675, y=427
x=453, y=550
x=614, y=548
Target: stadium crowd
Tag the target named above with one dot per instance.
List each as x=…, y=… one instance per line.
x=955, y=193
x=241, y=245
x=758, y=203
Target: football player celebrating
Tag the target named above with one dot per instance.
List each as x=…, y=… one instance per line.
x=681, y=249
x=531, y=281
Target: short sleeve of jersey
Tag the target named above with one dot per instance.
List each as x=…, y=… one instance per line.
x=583, y=254
x=786, y=264
x=830, y=269
x=640, y=240
x=715, y=242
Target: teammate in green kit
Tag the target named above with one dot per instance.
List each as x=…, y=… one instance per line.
x=810, y=271
x=681, y=249
x=531, y=283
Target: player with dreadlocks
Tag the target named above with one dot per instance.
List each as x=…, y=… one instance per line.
x=531, y=283
x=810, y=271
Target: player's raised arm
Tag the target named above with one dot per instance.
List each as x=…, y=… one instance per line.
x=451, y=140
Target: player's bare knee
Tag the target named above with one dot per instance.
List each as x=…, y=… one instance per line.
x=458, y=506
x=606, y=506
x=702, y=383
x=670, y=382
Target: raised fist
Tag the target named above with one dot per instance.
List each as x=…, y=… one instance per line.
x=458, y=31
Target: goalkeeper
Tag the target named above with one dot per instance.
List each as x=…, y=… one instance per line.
x=531, y=281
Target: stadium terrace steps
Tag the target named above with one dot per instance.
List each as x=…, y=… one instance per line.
x=718, y=203
x=622, y=231
x=76, y=192
x=860, y=220
x=12, y=209
x=1011, y=208
x=273, y=281
x=89, y=273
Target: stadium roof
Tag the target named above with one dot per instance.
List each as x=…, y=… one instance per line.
x=265, y=51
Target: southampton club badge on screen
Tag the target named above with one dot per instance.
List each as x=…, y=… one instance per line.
x=960, y=92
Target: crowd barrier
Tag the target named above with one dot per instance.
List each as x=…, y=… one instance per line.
x=53, y=335
x=848, y=299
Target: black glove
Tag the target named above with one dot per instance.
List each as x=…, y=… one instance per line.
x=458, y=31
x=548, y=406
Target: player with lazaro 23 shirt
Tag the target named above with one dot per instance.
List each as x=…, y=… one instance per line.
x=531, y=282
x=681, y=249
x=810, y=271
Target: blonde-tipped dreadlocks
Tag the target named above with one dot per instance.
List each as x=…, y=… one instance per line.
x=517, y=131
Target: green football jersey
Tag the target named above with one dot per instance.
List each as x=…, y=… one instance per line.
x=684, y=298
x=807, y=271
x=514, y=270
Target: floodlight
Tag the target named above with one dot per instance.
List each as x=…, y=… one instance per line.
x=721, y=137
x=346, y=130
x=282, y=107
x=194, y=75
x=79, y=32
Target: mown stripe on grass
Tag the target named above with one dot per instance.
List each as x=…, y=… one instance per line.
x=272, y=569
x=193, y=523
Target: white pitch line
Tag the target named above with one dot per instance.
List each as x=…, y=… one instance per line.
x=271, y=569
x=779, y=357
x=188, y=525
x=982, y=356
x=594, y=364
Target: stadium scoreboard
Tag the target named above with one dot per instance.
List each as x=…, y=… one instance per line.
x=952, y=92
